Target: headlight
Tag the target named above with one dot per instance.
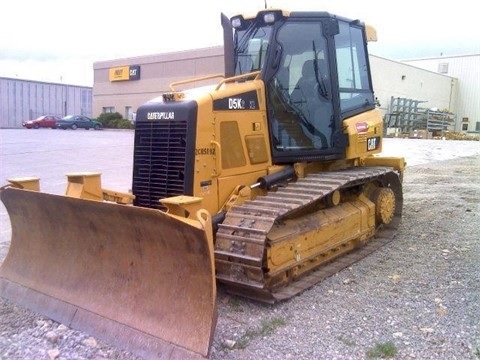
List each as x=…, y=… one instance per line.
x=269, y=18
x=237, y=22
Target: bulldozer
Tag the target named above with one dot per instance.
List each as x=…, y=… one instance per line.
x=264, y=181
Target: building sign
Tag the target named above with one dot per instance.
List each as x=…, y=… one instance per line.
x=124, y=73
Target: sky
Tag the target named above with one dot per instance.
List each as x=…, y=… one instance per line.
x=58, y=40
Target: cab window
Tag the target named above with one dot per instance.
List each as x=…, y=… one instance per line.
x=352, y=68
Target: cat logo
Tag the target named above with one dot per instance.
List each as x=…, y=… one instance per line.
x=125, y=73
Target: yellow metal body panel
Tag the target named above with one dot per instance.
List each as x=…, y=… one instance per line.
x=85, y=186
x=117, y=196
x=184, y=206
x=27, y=183
x=398, y=163
x=371, y=33
x=231, y=149
x=297, y=240
x=206, y=161
x=372, y=128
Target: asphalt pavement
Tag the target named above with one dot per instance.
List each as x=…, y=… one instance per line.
x=51, y=154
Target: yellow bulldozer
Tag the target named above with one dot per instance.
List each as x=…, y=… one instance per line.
x=264, y=183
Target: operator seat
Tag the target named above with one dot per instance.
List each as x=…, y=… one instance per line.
x=312, y=97
x=304, y=88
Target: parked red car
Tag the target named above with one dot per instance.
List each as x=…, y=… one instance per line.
x=46, y=121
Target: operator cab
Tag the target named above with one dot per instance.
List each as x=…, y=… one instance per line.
x=316, y=72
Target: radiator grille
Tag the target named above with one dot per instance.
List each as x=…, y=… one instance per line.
x=160, y=159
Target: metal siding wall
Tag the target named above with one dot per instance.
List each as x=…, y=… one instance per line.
x=11, y=114
x=3, y=98
x=24, y=95
x=32, y=100
x=70, y=103
x=467, y=70
x=22, y=99
x=54, y=104
x=52, y=99
x=62, y=103
x=76, y=101
x=38, y=100
x=45, y=96
x=17, y=99
x=86, y=101
x=25, y=109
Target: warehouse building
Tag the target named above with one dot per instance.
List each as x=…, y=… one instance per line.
x=404, y=90
x=122, y=85
x=466, y=69
x=22, y=100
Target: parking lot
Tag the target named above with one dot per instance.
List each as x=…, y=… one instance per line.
x=51, y=154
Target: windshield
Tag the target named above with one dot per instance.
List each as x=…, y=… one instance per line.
x=251, y=44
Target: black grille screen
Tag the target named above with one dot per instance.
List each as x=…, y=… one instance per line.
x=163, y=160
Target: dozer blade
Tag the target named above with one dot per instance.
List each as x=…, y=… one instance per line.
x=136, y=278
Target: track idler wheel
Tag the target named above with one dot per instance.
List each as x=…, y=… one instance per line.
x=384, y=200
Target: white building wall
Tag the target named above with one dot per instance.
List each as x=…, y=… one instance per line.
x=156, y=73
x=390, y=78
x=394, y=79
x=467, y=70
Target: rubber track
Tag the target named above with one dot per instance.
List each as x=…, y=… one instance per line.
x=250, y=223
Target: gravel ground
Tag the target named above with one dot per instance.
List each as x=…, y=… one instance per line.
x=416, y=298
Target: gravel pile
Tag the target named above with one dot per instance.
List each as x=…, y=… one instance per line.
x=416, y=298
